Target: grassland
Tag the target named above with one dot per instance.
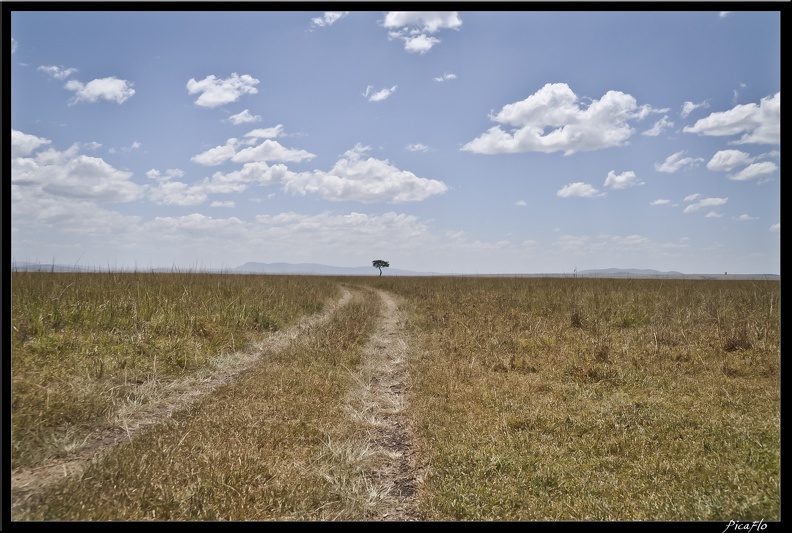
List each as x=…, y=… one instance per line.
x=529, y=398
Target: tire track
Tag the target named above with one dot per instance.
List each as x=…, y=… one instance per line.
x=379, y=404
x=173, y=396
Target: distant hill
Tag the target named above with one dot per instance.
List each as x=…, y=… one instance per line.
x=323, y=270
x=649, y=273
x=328, y=270
x=627, y=272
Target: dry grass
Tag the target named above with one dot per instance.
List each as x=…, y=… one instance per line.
x=273, y=445
x=87, y=348
x=581, y=399
x=533, y=399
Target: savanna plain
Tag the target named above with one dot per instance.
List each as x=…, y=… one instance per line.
x=238, y=397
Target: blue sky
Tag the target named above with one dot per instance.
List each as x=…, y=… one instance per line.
x=454, y=142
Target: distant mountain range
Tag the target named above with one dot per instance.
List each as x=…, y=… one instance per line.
x=327, y=270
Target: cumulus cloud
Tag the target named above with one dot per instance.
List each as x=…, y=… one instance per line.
x=14, y=45
x=776, y=228
x=744, y=218
x=726, y=160
x=218, y=154
x=59, y=73
x=378, y=96
x=675, y=162
x=270, y=150
x=23, y=143
x=111, y=89
x=704, y=202
x=420, y=44
x=243, y=118
x=758, y=123
x=177, y=193
x=660, y=201
x=67, y=174
x=520, y=203
x=328, y=19
x=622, y=181
x=415, y=28
x=364, y=179
x=579, y=189
x=170, y=173
x=755, y=171
x=572, y=127
x=266, y=133
x=215, y=91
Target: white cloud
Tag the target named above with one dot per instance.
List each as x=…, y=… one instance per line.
x=417, y=147
x=415, y=27
x=579, y=189
x=759, y=124
x=725, y=160
x=658, y=127
x=14, y=45
x=266, y=133
x=602, y=124
x=59, y=73
x=216, y=92
x=170, y=173
x=228, y=203
x=365, y=180
x=705, y=202
x=270, y=150
x=244, y=117
x=256, y=173
x=420, y=44
x=328, y=19
x=675, y=162
x=67, y=174
x=521, y=203
x=445, y=76
x=218, y=154
x=660, y=202
x=713, y=214
x=744, y=218
x=177, y=193
x=23, y=144
x=111, y=89
x=423, y=21
x=378, y=96
x=755, y=171
x=622, y=181
x=689, y=107
x=776, y=228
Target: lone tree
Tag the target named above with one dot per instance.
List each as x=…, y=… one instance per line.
x=379, y=263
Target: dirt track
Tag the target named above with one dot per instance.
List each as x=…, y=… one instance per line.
x=382, y=403
x=382, y=376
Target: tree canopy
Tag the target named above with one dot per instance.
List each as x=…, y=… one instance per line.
x=380, y=264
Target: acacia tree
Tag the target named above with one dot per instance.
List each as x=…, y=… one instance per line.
x=379, y=263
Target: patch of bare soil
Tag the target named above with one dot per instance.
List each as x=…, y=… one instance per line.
x=171, y=396
x=381, y=405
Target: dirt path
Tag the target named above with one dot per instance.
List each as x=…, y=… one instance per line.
x=171, y=396
x=380, y=404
